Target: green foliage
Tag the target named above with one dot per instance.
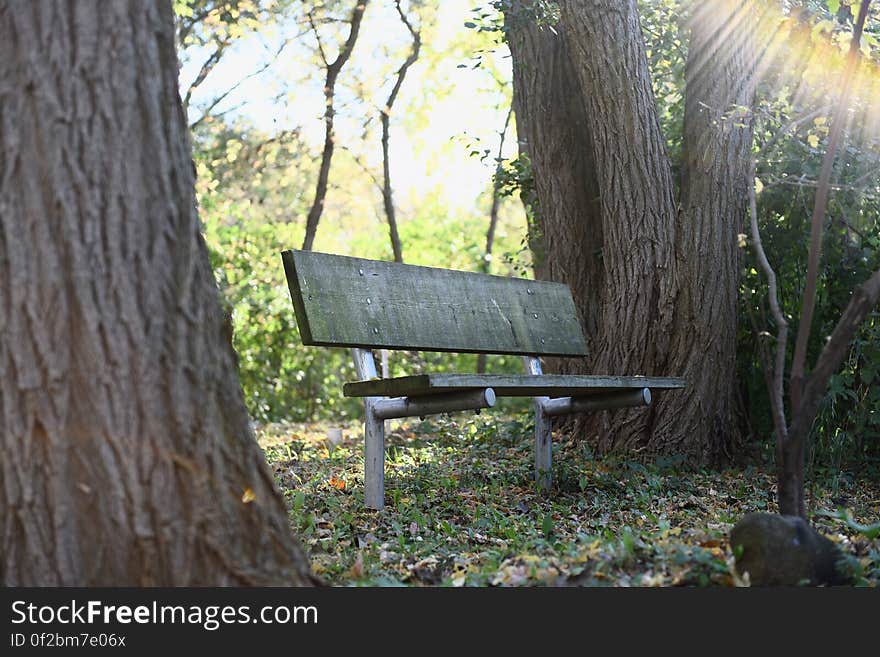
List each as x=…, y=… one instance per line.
x=201, y=17
x=253, y=193
x=255, y=186
x=499, y=16
x=280, y=377
x=464, y=511
x=868, y=531
x=219, y=23
x=250, y=186
x=792, y=120
x=848, y=425
x=864, y=566
x=664, y=29
x=515, y=176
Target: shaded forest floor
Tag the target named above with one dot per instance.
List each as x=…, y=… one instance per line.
x=463, y=510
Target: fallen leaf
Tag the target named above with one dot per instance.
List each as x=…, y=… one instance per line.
x=357, y=568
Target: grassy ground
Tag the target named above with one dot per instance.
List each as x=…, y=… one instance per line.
x=463, y=511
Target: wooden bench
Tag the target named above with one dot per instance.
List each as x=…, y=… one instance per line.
x=367, y=304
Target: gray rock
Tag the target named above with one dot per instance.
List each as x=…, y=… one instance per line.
x=784, y=551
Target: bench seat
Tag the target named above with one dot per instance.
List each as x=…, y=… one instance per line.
x=506, y=385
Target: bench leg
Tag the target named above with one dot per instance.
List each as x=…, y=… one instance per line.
x=543, y=431
x=374, y=459
x=374, y=436
x=543, y=447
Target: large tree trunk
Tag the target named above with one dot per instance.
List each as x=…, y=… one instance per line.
x=126, y=453
x=666, y=290
x=716, y=171
x=548, y=102
x=636, y=201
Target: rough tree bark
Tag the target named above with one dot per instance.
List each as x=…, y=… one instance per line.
x=636, y=201
x=716, y=175
x=655, y=303
x=125, y=452
x=631, y=221
x=548, y=103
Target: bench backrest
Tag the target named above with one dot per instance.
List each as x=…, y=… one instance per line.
x=351, y=302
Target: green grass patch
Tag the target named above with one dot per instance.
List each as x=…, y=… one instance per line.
x=463, y=510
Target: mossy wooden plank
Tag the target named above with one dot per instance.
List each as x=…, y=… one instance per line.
x=352, y=302
x=508, y=385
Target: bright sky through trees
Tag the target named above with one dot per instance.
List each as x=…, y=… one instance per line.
x=441, y=112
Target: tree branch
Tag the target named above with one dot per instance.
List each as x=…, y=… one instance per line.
x=493, y=216
x=385, y=118
x=776, y=376
x=333, y=70
x=207, y=112
x=206, y=68
x=317, y=34
x=819, y=206
x=863, y=300
x=496, y=191
x=357, y=159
